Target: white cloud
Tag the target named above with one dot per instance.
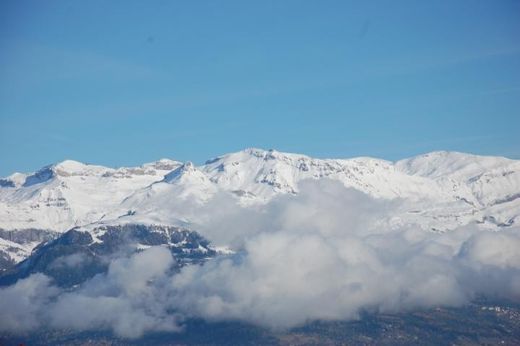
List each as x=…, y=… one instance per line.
x=319, y=255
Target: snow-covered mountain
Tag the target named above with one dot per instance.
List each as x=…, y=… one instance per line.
x=438, y=191
x=61, y=196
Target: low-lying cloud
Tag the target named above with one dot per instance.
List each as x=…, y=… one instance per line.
x=322, y=254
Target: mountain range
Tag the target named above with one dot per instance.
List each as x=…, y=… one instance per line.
x=437, y=191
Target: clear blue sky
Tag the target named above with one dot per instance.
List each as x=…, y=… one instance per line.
x=127, y=82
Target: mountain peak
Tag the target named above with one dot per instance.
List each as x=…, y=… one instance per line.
x=186, y=171
x=64, y=168
x=448, y=163
x=70, y=166
x=14, y=180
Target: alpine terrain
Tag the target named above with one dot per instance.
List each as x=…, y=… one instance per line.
x=263, y=247
x=438, y=192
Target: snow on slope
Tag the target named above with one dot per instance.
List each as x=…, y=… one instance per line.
x=71, y=193
x=438, y=191
x=482, y=180
x=448, y=163
x=260, y=174
x=167, y=201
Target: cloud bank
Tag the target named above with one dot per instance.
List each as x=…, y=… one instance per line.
x=323, y=254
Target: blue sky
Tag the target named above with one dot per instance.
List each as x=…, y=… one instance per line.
x=126, y=82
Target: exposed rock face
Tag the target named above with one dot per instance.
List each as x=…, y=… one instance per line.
x=24, y=236
x=15, y=245
x=78, y=255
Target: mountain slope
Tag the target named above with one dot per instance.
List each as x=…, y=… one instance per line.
x=438, y=191
x=61, y=196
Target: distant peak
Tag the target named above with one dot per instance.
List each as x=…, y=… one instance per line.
x=64, y=168
x=73, y=168
x=186, y=167
x=444, y=155
x=242, y=153
x=449, y=163
x=254, y=156
x=267, y=154
x=14, y=180
x=186, y=171
x=259, y=151
x=70, y=166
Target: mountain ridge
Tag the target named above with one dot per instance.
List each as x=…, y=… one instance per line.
x=439, y=191
x=68, y=163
